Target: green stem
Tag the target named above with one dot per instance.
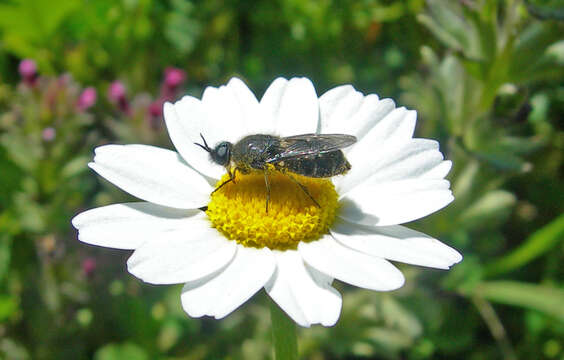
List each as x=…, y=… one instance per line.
x=496, y=327
x=283, y=334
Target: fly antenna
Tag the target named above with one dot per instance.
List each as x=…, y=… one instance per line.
x=205, y=146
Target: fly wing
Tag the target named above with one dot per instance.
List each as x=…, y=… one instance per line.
x=309, y=144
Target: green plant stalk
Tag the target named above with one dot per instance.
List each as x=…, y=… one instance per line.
x=284, y=336
x=537, y=244
x=497, y=330
x=543, y=298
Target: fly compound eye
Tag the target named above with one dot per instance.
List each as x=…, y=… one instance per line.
x=221, y=153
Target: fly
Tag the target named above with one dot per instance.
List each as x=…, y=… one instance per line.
x=311, y=155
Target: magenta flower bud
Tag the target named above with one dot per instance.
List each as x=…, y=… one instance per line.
x=27, y=68
x=116, y=92
x=155, y=111
x=87, y=98
x=48, y=134
x=174, y=77
x=88, y=266
x=156, y=108
x=28, y=71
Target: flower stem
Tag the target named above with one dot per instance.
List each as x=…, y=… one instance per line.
x=283, y=334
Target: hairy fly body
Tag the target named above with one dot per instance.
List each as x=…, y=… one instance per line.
x=311, y=155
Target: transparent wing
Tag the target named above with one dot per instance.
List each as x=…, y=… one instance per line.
x=309, y=144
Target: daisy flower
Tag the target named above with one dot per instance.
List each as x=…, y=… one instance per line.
x=224, y=247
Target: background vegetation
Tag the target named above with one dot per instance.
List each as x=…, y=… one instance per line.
x=487, y=79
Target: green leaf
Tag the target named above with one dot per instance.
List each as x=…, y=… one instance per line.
x=465, y=181
x=503, y=160
x=13, y=18
x=388, y=13
x=8, y=306
x=437, y=30
x=29, y=25
x=23, y=153
x=541, y=298
x=5, y=255
x=75, y=167
x=520, y=145
x=389, y=339
x=31, y=215
x=35, y=18
x=11, y=179
x=10, y=349
x=489, y=210
x=126, y=350
x=182, y=29
x=546, y=9
x=541, y=105
x=530, y=47
x=445, y=13
x=487, y=34
x=396, y=316
x=537, y=244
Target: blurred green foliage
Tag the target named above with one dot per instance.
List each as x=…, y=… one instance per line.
x=487, y=79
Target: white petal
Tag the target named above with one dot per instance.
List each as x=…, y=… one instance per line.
x=398, y=124
x=406, y=160
x=222, y=293
x=256, y=121
x=369, y=114
x=185, y=121
x=243, y=94
x=391, y=133
x=293, y=105
x=272, y=98
x=226, y=112
x=346, y=111
x=439, y=171
x=396, y=243
x=129, y=225
x=337, y=106
x=302, y=292
x=182, y=255
x=152, y=174
x=350, y=266
x=395, y=202
x=411, y=162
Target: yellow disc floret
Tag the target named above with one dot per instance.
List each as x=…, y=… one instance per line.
x=238, y=210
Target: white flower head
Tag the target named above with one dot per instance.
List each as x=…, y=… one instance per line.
x=225, y=247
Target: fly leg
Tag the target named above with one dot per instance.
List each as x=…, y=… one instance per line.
x=231, y=178
x=304, y=189
x=267, y=182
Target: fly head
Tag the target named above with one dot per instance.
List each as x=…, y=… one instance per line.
x=221, y=154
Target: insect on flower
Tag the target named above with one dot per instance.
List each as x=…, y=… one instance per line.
x=311, y=155
x=228, y=252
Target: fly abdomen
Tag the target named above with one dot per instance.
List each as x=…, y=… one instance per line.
x=317, y=165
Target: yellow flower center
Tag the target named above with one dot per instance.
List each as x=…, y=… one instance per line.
x=238, y=210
